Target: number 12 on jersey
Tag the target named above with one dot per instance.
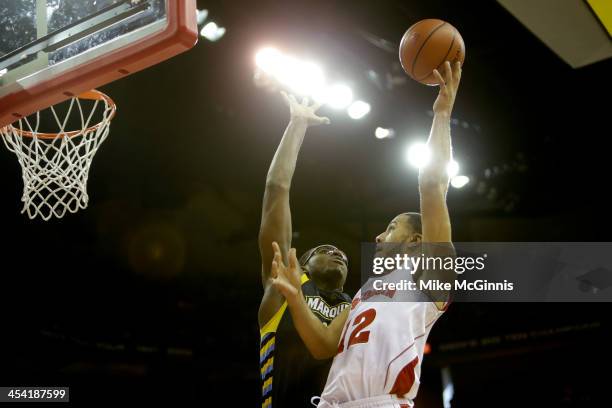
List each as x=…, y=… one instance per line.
x=357, y=327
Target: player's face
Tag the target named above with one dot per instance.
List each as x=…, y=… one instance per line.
x=328, y=263
x=399, y=231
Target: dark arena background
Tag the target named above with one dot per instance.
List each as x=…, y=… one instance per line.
x=151, y=294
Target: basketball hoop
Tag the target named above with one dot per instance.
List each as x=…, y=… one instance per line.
x=55, y=166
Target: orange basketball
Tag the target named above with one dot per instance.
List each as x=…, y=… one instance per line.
x=426, y=46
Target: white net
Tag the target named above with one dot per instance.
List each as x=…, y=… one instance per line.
x=55, y=166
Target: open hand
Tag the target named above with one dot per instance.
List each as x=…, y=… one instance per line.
x=286, y=279
x=304, y=111
x=449, y=83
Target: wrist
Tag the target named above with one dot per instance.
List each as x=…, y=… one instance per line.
x=296, y=298
x=443, y=113
x=298, y=121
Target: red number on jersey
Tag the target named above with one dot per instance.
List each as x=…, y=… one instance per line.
x=359, y=335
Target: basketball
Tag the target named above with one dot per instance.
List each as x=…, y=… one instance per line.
x=426, y=46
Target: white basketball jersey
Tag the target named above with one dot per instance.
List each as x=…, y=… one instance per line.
x=381, y=348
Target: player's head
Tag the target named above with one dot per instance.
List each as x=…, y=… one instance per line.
x=326, y=265
x=405, y=229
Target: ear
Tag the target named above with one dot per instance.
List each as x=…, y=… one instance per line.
x=416, y=237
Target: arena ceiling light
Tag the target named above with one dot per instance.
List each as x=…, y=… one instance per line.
x=418, y=155
x=382, y=133
x=202, y=15
x=452, y=169
x=338, y=96
x=460, y=181
x=300, y=77
x=309, y=77
x=358, y=109
x=306, y=78
x=268, y=60
x=212, y=32
x=285, y=68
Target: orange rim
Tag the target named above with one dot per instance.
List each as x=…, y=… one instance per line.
x=93, y=95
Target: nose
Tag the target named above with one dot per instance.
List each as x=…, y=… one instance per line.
x=380, y=238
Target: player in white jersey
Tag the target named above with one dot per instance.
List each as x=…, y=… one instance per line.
x=378, y=346
x=384, y=338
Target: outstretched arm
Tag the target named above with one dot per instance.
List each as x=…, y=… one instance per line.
x=322, y=341
x=276, y=214
x=434, y=178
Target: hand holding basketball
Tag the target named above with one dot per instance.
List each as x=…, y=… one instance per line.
x=426, y=46
x=449, y=84
x=286, y=279
x=304, y=111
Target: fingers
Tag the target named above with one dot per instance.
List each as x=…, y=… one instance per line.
x=285, y=289
x=289, y=98
x=275, y=248
x=323, y=120
x=316, y=106
x=441, y=81
x=293, y=261
x=457, y=72
x=274, y=270
x=278, y=258
x=285, y=97
x=448, y=73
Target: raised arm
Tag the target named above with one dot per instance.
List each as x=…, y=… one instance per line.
x=321, y=340
x=434, y=180
x=276, y=213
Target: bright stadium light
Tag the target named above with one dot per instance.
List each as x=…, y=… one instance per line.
x=202, y=15
x=418, y=155
x=310, y=77
x=382, y=133
x=452, y=169
x=212, y=32
x=338, y=96
x=285, y=69
x=268, y=60
x=459, y=181
x=320, y=94
x=300, y=77
x=358, y=109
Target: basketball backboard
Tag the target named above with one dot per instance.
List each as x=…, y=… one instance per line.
x=51, y=50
